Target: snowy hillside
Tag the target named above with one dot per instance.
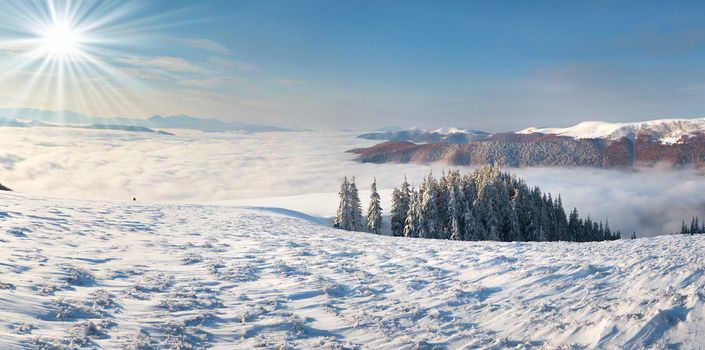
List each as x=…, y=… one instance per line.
x=666, y=130
x=141, y=276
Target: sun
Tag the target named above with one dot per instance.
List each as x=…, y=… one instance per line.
x=60, y=40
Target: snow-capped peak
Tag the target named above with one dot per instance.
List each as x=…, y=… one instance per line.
x=665, y=130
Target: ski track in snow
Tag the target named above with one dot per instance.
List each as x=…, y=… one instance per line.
x=79, y=274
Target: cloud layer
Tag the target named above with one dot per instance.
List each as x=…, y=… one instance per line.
x=194, y=166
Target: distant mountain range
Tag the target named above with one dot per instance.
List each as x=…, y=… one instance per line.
x=597, y=144
x=35, y=123
x=452, y=135
x=125, y=128
x=36, y=117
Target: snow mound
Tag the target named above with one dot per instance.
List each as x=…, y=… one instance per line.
x=148, y=276
x=665, y=130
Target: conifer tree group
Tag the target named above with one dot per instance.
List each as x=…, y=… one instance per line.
x=694, y=228
x=487, y=204
x=349, y=215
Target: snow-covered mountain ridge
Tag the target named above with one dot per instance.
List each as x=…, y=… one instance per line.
x=453, y=130
x=79, y=274
x=446, y=130
x=664, y=130
x=667, y=131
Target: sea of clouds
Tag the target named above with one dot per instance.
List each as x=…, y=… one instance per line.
x=302, y=171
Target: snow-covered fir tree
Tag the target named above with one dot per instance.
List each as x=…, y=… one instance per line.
x=342, y=216
x=454, y=212
x=514, y=228
x=399, y=209
x=574, y=224
x=411, y=224
x=397, y=214
x=355, y=207
x=442, y=199
x=428, y=227
x=562, y=220
x=374, y=211
x=473, y=230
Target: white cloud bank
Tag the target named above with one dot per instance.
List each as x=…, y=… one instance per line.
x=205, y=167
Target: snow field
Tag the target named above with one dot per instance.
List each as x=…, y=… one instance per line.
x=76, y=274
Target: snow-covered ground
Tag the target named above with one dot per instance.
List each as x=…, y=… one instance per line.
x=139, y=276
x=665, y=130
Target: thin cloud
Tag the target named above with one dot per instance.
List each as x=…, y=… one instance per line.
x=231, y=64
x=165, y=63
x=211, y=81
x=144, y=74
x=208, y=45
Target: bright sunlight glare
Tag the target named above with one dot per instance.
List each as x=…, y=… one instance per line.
x=60, y=40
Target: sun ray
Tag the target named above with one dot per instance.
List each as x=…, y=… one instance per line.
x=31, y=87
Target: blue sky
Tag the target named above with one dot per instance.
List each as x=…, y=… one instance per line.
x=492, y=65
